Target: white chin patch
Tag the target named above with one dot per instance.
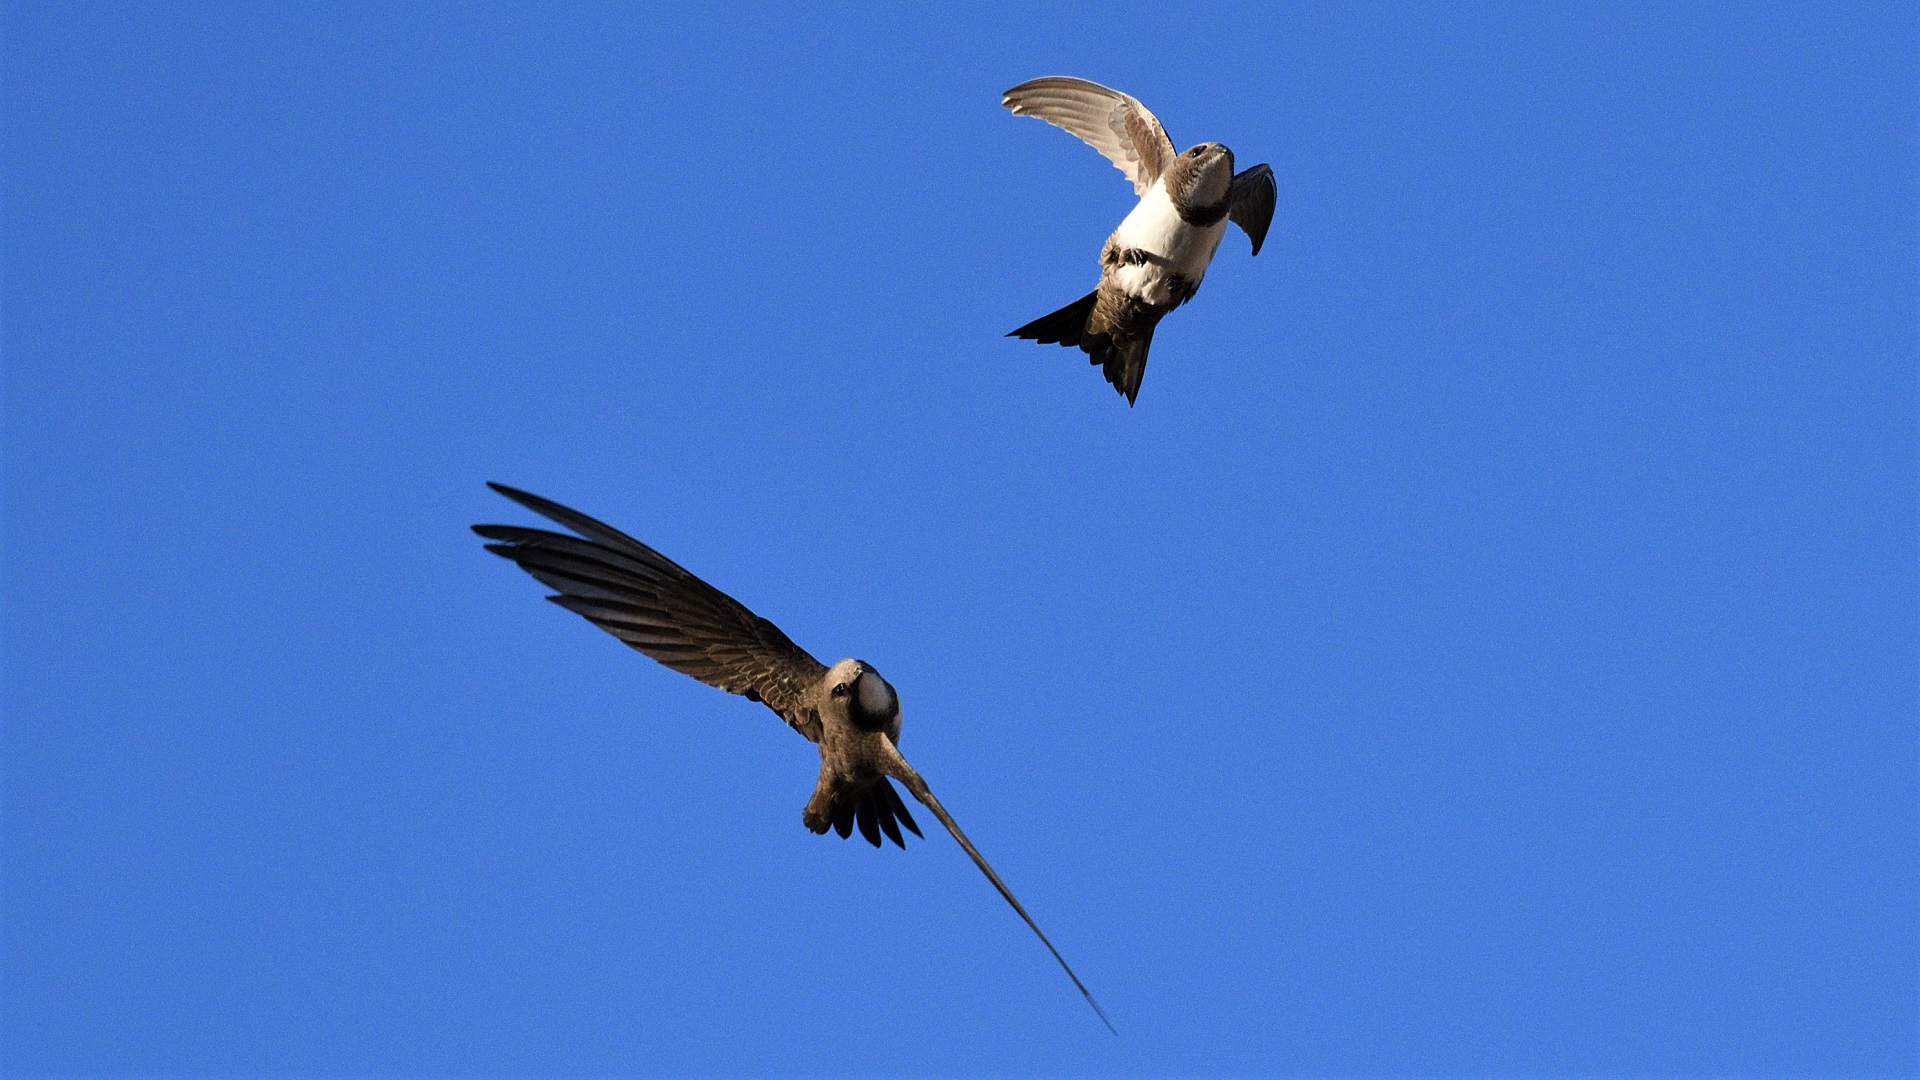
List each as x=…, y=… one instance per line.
x=876, y=697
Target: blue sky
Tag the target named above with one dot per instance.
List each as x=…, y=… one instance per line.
x=1488, y=648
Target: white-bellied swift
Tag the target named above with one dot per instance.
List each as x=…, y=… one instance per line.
x=1155, y=260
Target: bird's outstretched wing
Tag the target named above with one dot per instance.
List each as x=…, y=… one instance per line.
x=898, y=768
x=1109, y=121
x=1250, y=203
x=648, y=601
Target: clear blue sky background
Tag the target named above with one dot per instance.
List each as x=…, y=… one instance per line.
x=1489, y=647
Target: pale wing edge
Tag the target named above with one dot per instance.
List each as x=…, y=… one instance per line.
x=1097, y=115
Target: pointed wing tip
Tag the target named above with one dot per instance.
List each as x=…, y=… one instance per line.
x=1007, y=95
x=1254, y=197
x=925, y=794
x=1055, y=81
x=507, y=539
x=524, y=498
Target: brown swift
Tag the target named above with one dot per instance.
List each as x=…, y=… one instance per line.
x=646, y=600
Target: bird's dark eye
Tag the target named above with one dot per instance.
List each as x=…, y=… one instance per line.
x=840, y=690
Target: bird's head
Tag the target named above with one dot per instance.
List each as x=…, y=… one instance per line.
x=869, y=700
x=1204, y=175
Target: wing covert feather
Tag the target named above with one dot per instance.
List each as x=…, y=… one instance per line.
x=1117, y=125
x=656, y=606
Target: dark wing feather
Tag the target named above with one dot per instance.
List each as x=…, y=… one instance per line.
x=1250, y=203
x=653, y=604
x=906, y=775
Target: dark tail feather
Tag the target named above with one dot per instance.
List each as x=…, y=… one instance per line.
x=900, y=809
x=1063, y=327
x=869, y=824
x=883, y=810
x=1123, y=360
x=876, y=812
x=843, y=817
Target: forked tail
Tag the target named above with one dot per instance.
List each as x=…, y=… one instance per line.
x=1062, y=327
x=1120, y=353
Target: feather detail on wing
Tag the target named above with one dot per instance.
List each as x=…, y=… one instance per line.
x=1250, y=203
x=1111, y=122
x=650, y=602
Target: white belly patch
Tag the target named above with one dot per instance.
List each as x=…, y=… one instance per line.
x=1154, y=227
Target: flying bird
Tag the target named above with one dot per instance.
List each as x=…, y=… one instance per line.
x=1155, y=260
x=648, y=601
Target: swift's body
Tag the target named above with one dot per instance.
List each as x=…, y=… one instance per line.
x=654, y=605
x=1156, y=259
